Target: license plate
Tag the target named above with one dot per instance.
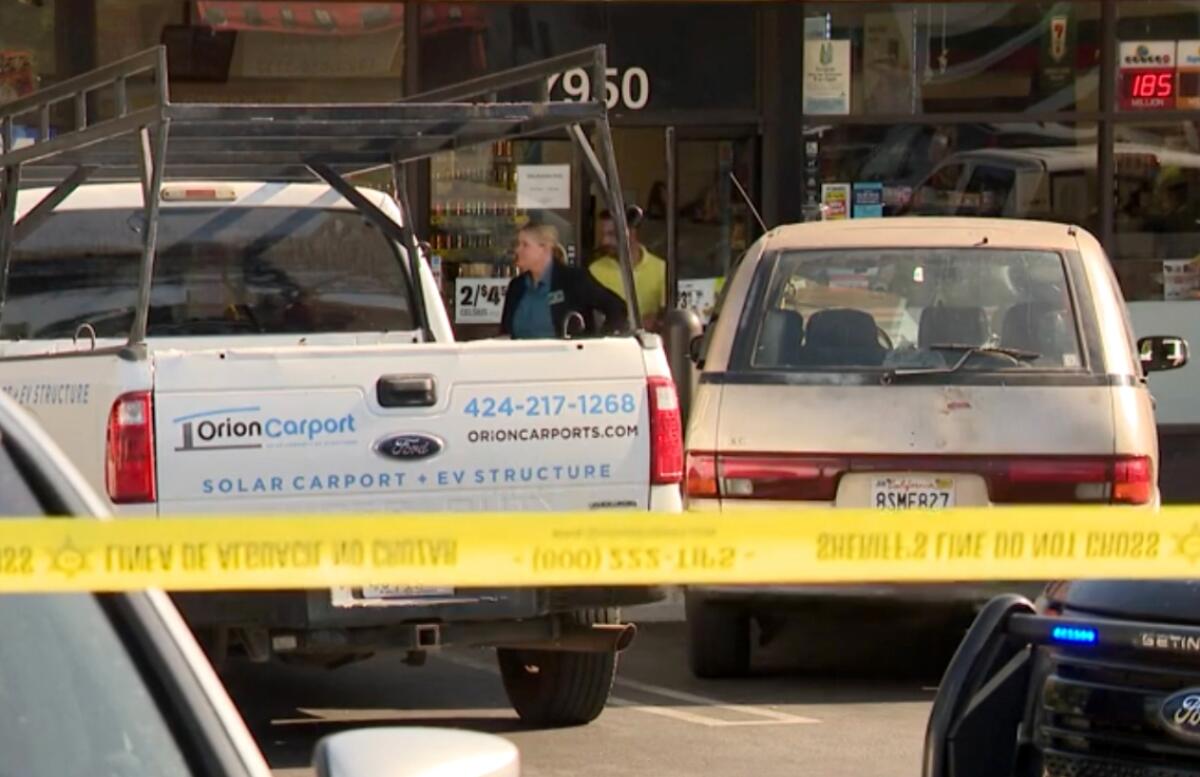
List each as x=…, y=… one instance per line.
x=404, y=592
x=912, y=493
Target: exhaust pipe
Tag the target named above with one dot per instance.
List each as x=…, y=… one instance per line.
x=581, y=638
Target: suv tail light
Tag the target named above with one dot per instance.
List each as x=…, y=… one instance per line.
x=1133, y=480
x=701, y=480
x=1115, y=479
x=798, y=478
x=129, y=464
x=666, y=432
x=1010, y=479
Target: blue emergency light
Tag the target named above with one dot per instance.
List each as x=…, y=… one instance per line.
x=1074, y=635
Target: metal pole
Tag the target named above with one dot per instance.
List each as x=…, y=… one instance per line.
x=599, y=75
x=400, y=184
x=40, y=212
x=589, y=156
x=616, y=206
x=725, y=200
x=613, y=193
x=672, y=222
x=1106, y=167
x=153, y=161
x=8, y=201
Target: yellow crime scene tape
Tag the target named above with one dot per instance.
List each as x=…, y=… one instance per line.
x=586, y=549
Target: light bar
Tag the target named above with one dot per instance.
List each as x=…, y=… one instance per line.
x=1074, y=635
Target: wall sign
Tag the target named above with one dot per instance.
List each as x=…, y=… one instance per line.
x=835, y=201
x=1058, y=51
x=826, y=77
x=544, y=187
x=1180, y=278
x=646, y=70
x=628, y=88
x=888, y=85
x=479, y=300
x=699, y=294
x=1146, y=78
x=868, y=200
x=17, y=77
x=1187, y=93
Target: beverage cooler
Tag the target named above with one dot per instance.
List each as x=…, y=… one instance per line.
x=479, y=198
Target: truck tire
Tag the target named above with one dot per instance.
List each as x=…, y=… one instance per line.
x=718, y=639
x=553, y=688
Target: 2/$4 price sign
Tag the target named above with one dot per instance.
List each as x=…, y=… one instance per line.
x=479, y=300
x=1159, y=75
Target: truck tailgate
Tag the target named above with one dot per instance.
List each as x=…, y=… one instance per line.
x=489, y=425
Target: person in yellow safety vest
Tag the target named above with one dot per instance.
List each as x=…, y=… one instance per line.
x=649, y=271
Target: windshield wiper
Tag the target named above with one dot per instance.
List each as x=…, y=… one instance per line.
x=1018, y=356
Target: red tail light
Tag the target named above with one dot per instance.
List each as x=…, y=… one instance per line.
x=799, y=478
x=1133, y=480
x=1050, y=479
x=701, y=481
x=129, y=468
x=666, y=432
x=1010, y=479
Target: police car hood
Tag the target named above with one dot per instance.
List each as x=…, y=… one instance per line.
x=1162, y=601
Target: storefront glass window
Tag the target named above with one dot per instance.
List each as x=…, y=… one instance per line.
x=913, y=58
x=1158, y=56
x=26, y=48
x=263, y=51
x=646, y=45
x=1157, y=233
x=1157, y=237
x=715, y=224
x=480, y=196
x=1043, y=171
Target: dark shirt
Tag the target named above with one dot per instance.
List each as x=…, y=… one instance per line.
x=531, y=318
x=572, y=290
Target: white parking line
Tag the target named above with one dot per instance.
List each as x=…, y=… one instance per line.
x=766, y=716
x=773, y=716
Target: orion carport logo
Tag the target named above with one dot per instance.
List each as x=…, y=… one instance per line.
x=243, y=428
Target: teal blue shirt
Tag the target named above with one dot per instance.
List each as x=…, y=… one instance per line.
x=532, y=319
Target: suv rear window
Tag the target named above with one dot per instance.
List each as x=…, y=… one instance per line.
x=219, y=271
x=915, y=308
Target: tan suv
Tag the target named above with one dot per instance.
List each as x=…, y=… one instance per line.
x=914, y=363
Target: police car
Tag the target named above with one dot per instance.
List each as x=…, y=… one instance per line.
x=1096, y=678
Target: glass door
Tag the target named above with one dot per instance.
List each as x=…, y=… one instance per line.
x=714, y=224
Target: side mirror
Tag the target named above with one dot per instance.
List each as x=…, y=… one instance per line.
x=415, y=752
x=696, y=348
x=1162, y=352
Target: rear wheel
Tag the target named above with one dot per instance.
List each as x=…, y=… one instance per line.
x=718, y=639
x=552, y=688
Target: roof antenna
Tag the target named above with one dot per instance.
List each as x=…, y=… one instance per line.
x=749, y=202
x=982, y=242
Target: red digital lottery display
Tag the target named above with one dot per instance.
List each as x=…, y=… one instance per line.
x=1147, y=89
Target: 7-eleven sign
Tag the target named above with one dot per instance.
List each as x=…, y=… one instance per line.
x=1058, y=37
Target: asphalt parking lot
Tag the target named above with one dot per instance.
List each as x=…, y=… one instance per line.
x=837, y=698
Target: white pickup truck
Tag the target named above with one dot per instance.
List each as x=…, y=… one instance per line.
x=254, y=346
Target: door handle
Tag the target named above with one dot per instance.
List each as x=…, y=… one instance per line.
x=406, y=391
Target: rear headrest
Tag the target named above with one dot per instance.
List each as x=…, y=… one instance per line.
x=780, y=338
x=948, y=324
x=1035, y=326
x=842, y=328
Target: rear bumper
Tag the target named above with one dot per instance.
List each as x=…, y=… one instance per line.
x=890, y=594
x=473, y=617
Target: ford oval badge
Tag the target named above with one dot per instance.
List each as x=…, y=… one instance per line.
x=1180, y=715
x=409, y=447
